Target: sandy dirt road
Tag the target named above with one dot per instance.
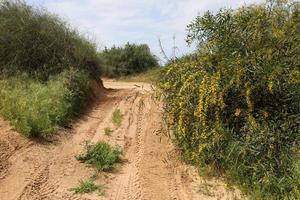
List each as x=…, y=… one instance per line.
x=152, y=170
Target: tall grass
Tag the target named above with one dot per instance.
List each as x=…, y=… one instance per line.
x=36, y=108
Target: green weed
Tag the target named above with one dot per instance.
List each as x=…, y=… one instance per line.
x=108, y=131
x=88, y=187
x=101, y=155
x=117, y=117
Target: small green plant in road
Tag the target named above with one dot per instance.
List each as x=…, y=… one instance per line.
x=117, y=117
x=88, y=187
x=108, y=131
x=101, y=155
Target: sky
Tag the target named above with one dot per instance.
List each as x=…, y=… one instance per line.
x=116, y=22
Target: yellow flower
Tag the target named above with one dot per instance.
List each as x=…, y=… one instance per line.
x=248, y=98
x=237, y=112
x=265, y=114
x=270, y=86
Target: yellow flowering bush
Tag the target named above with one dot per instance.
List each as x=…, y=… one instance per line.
x=235, y=108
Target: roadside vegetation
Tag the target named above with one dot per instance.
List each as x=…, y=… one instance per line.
x=100, y=155
x=46, y=69
x=149, y=76
x=127, y=60
x=235, y=106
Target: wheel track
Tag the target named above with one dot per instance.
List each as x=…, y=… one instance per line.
x=38, y=188
x=151, y=168
x=129, y=185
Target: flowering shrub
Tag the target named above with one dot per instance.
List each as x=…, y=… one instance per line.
x=235, y=109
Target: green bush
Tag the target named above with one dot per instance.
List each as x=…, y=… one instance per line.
x=45, y=69
x=235, y=109
x=40, y=44
x=101, y=155
x=36, y=108
x=130, y=59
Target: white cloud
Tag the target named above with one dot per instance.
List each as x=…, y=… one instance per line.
x=142, y=21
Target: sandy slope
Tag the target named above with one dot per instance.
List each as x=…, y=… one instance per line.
x=34, y=170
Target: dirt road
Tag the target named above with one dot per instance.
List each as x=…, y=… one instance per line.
x=36, y=170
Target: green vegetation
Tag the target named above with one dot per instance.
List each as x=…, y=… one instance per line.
x=46, y=69
x=117, y=117
x=108, y=131
x=40, y=44
x=235, y=108
x=130, y=59
x=36, y=108
x=149, y=76
x=88, y=187
x=101, y=155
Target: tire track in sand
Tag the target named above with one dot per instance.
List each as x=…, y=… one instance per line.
x=151, y=170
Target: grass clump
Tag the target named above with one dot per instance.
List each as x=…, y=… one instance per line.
x=101, y=155
x=88, y=187
x=117, y=117
x=108, y=131
x=235, y=108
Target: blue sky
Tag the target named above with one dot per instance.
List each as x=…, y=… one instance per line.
x=109, y=22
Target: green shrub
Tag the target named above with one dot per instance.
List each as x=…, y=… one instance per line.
x=88, y=187
x=130, y=59
x=101, y=155
x=36, y=108
x=235, y=109
x=40, y=44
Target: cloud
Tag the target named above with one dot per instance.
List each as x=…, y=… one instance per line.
x=110, y=22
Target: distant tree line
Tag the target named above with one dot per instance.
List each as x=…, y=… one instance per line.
x=130, y=59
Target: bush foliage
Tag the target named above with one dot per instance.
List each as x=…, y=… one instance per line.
x=40, y=44
x=130, y=59
x=235, y=109
x=45, y=69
